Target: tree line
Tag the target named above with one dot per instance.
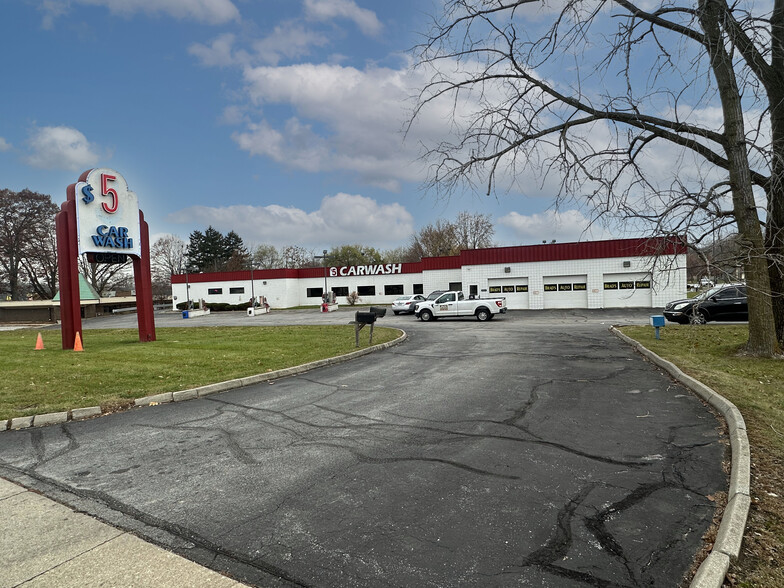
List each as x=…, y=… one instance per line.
x=212, y=251
x=28, y=251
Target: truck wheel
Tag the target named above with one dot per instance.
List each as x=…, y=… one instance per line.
x=482, y=314
x=426, y=316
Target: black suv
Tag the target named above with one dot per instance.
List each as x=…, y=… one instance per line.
x=721, y=303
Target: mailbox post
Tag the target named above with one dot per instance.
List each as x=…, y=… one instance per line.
x=360, y=320
x=657, y=321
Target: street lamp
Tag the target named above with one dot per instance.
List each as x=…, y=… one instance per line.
x=252, y=291
x=187, y=290
x=324, y=258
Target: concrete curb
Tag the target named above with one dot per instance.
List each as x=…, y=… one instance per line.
x=84, y=413
x=726, y=548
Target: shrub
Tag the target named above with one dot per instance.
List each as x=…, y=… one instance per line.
x=353, y=298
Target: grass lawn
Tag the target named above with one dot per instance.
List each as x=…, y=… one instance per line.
x=115, y=367
x=710, y=353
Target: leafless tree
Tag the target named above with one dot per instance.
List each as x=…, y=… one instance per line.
x=25, y=218
x=668, y=115
x=296, y=256
x=474, y=230
x=40, y=263
x=104, y=277
x=266, y=257
x=167, y=257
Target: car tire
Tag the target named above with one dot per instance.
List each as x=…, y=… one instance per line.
x=426, y=316
x=396, y=312
x=482, y=314
x=697, y=318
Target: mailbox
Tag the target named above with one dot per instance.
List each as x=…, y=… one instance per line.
x=365, y=318
x=378, y=311
x=657, y=320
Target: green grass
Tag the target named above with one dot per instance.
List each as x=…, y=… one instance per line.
x=713, y=355
x=115, y=367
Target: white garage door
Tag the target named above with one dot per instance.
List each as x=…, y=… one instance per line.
x=515, y=290
x=627, y=290
x=565, y=291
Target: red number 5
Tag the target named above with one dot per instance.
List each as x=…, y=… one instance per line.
x=106, y=191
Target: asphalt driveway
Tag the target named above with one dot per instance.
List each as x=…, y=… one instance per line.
x=536, y=449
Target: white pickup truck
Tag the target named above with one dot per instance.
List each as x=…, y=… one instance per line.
x=455, y=304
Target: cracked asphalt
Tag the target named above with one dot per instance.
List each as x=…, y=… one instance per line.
x=533, y=450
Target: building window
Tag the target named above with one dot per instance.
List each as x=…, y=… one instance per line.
x=494, y=289
x=508, y=289
x=366, y=290
x=340, y=290
x=551, y=287
x=626, y=285
x=390, y=289
x=315, y=292
x=521, y=288
x=581, y=286
x=237, y=290
x=564, y=287
x=214, y=291
x=642, y=284
x=419, y=289
x=455, y=285
x=611, y=285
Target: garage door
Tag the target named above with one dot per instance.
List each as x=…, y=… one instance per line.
x=565, y=291
x=627, y=290
x=515, y=290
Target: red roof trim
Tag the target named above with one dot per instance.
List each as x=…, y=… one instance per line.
x=674, y=245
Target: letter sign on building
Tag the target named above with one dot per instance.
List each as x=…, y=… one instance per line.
x=107, y=214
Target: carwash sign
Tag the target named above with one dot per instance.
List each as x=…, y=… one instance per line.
x=366, y=270
x=107, y=214
x=101, y=218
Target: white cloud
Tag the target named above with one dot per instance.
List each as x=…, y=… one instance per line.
x=563, y=226
x=326, y=10
x=342, y=218
x=343, y=119
x=4, y=145
x=288, y=40
x=218, y=53
x=61, y=148
x=207, y=11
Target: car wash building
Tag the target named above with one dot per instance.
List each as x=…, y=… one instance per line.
x=594, y=274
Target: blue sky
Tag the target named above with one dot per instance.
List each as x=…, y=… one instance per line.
x=279, y=119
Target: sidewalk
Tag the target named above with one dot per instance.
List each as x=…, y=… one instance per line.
x=43, y=543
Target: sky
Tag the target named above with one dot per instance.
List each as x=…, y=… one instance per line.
x=281, y=120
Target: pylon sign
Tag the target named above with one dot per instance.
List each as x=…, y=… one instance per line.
x=107, y=214
x=101, y=217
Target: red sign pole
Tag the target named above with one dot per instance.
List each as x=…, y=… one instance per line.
x=68, y=270
x=142, y=278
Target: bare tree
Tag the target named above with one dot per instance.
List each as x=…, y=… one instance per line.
x=104, y=277
x=167, y=257
x=435, y=240
x=599, y=94
x=296, y=256
x=25, y=218
x=266, y=257
x=40, y=263
x=474, y=230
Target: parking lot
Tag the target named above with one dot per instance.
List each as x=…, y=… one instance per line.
x=534, y=449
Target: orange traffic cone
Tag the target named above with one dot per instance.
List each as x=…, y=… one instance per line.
x=39, y=343
x=78, y=343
